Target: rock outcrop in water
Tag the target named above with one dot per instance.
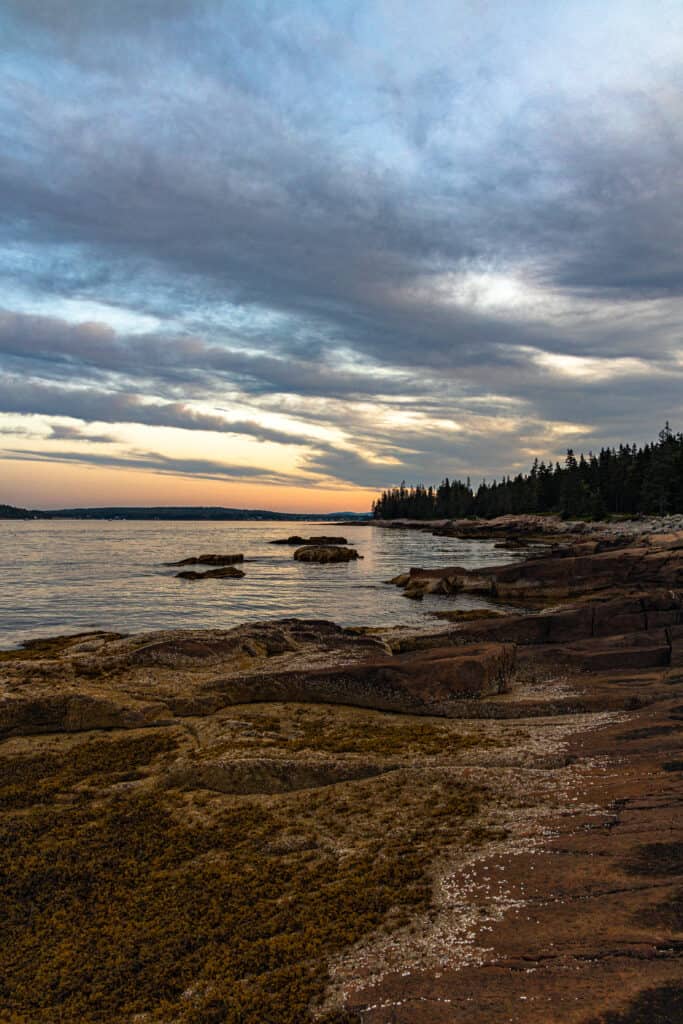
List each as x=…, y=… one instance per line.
x=579, y=570
x=298, y=541
x=228, y=572
x=210, y=560
x=326, y=554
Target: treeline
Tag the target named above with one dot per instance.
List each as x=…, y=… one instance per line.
x=626, y=480
x=11, y=512
x=194, y=513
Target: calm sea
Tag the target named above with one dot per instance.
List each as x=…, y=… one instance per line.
x=65, y=577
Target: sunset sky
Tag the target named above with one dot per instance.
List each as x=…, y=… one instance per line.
x=284, y=254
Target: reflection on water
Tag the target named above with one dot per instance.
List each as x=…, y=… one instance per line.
x=67, y=576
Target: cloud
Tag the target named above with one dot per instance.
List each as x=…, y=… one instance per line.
x=320, y=219
x=62, y=432
x=94, y=350
x=36, y=398
x=205, y=469
x=70, y=20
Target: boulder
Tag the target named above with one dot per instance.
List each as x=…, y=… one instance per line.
x=189, y=651
x=428, y=682
x=326, y=554
x=583, y=622
x=234, y=647
x=69, y=712
x=227, y=572
x=559, y=627
x=210, y=560
x=633, y=651
x=419, y=582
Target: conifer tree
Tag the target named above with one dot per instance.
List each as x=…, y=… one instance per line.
x=626, y=480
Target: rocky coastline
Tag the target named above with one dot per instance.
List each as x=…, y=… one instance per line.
x=290, y=821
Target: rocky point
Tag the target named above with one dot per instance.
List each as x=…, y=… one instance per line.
x=291, y=821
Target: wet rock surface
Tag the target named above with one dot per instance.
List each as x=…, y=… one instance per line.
x=326, y=554
x=210, y=560
x=592, y=569
x=299, y=541
x=525, y=529
x=291, y=821
x=583, y=927
x=102, y=682
x=228, y=572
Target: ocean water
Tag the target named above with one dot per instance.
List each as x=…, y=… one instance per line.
x=60, y=577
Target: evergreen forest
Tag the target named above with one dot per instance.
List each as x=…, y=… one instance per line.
x=627, y=480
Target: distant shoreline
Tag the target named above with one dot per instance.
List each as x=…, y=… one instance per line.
x=172, y=513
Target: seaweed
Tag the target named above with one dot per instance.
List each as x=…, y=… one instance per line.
x=379, y=737
x=26, y=780
x=121, y=906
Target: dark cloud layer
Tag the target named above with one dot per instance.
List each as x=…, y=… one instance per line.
x=314, y=213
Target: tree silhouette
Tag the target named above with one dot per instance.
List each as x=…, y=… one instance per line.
x=617, y=481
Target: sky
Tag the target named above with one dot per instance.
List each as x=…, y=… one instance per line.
x=286, y=253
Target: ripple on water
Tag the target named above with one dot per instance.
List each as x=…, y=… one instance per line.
x=66, y=576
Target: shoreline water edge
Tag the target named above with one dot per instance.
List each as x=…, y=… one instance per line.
x=292, y=820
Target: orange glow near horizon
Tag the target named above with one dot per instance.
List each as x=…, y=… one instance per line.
x=42, y=485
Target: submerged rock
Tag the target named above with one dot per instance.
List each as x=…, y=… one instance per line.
x=210, y=560
x=294, y=541
x=227, y=572
x=468, y=614
x=326, y=554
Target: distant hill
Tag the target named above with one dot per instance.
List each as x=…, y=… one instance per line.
x=10, y=512
x=170, y=512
